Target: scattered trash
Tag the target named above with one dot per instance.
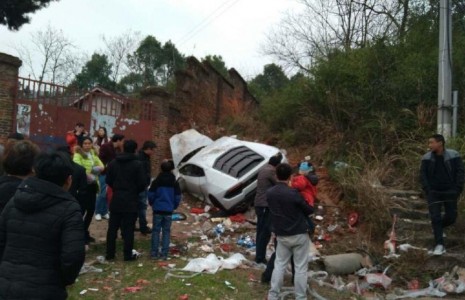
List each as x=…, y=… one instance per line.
x=101, y=259
x=92, y=289
x=246, y=241
x=142, y=282
x=379, y=279
x=333, y=227
x=136, y=253
x=176, y=216
x=184, y=297
x=229, y=285
x=132, y=289
x=352, y=219
x=238, y=218
x=219, y=229
x=406, y=247
x=390, y=244
x=82, y=292
x=211, y=264
x=89, y=269
x=206, y=248
x=197, y=210
x=341, y=264
x=413, y=284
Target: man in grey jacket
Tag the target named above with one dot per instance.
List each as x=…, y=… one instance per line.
x=266, y=179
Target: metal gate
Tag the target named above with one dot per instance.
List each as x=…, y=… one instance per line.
x=45, y=112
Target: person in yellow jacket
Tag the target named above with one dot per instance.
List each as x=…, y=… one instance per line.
x=86, y=156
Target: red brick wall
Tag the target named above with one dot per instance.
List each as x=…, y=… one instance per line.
x=9, y=66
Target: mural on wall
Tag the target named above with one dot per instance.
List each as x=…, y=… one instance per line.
x=99, y=120
x=23, y=119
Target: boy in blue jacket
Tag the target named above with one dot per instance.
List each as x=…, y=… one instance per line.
x=164, y=197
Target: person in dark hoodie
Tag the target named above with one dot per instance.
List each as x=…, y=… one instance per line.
x=164, y=197
x=79, y=183
x=43, y=255
x=125, y=175
x=148, y=149
x=17, y=163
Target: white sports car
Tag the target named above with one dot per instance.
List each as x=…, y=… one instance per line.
x=222, y=172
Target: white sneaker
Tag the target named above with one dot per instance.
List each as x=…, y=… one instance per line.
x=98, y=217
x=439, y=250
x=106, y=216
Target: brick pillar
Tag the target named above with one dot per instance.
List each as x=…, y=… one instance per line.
x=9, y=66
x=160, y=105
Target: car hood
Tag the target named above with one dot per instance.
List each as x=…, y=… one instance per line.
x=184, y=143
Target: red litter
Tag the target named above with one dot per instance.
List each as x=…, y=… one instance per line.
x=197, y=210
x=238, y=218
x=132, y=289
x=184, y=297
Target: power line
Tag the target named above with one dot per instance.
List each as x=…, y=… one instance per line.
x=207, y=20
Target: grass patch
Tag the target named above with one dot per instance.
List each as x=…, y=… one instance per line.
x=154, y=283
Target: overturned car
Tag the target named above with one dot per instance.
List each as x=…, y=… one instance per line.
x=222, y=172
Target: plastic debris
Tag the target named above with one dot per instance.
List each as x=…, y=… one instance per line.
x=229, y=285
x=211, y=264
x=89, y=269
x=206, y=248
x=406, y=247
x=246, y=241
x=379, y=279
x=197, y=210
x=184, y=297
x=101, y=259
x=219, y=230
x=82, y=292
x=132, y=289
x=238, y=218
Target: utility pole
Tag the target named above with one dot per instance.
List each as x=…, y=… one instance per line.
x=444, y=125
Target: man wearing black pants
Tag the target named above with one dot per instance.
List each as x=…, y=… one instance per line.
x=442, y=179
x=125, y=175
x=266, y=179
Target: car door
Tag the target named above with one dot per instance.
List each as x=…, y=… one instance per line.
x=192, y=180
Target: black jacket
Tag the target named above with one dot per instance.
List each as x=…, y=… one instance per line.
x=41, y=242
x=79, y=184
x=8, y=186
x=454, y=168
x=125, y=175
x=288, y=210
x=145, y=159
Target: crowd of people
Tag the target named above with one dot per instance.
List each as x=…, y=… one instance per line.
x=50, y=198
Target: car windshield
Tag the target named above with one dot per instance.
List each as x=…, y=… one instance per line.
x=237, y=161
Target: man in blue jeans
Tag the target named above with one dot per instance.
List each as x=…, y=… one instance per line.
x=147, y=150
x=442, y=178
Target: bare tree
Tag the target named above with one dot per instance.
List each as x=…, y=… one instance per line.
x=117, y=50
x=325, y=25
x=48, y=56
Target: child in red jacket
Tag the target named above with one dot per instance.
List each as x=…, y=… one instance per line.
x=305, y=182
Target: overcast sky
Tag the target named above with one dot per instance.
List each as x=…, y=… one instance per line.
x=234, y=29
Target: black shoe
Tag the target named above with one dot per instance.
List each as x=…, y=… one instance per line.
x=146, y=230
x=264, y=278
x=132, y=258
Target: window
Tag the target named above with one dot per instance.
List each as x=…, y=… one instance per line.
x=192, y=170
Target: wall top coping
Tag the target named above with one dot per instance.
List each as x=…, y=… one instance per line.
x=10, y=59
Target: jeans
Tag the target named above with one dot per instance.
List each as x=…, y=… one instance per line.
x=436, y=200
x=101, y=205
x=297, y=245
x=161, y=224
x=263, y=233
x=142, y=210
x=125, y=221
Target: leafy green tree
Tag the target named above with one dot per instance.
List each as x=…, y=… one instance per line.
x=13, y=13
x=96, y=71
x=154, y=62
x=271, y=80
x=217, y=62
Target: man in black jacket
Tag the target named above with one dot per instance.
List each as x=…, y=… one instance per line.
x=125, y=175
x=17, y=163
x=442, y=177
x=148, y=149
x=289, y=211
x=41, y=241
